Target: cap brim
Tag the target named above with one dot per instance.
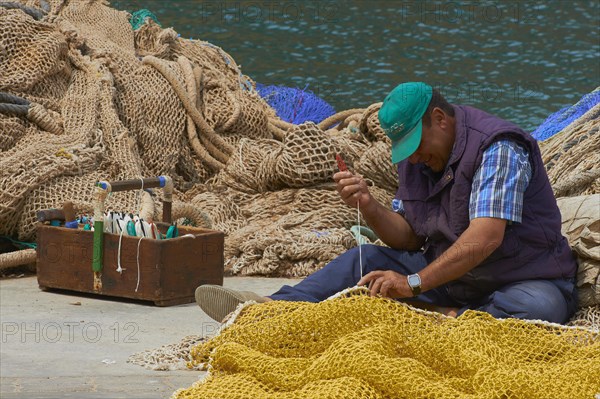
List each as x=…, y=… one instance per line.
x=408, y=144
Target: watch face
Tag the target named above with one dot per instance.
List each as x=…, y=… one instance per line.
x=414, y=280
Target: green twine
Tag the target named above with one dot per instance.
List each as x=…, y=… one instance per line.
x=20, y=244
x=363, y=234
x=138, y=18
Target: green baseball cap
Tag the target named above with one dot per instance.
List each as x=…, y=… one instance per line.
x=401, y=117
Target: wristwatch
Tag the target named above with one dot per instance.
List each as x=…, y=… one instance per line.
x=414, y=282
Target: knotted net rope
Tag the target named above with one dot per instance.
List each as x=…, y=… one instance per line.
x=572, y=156
x=84, y=97
x=356, y=346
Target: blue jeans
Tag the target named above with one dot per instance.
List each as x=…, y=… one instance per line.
x=549, y=300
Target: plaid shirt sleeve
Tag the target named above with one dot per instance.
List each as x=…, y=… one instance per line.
x=499, y=183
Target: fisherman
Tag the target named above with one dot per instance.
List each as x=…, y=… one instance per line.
x=474, y=224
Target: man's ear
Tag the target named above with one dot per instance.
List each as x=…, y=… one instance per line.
x=439, y=117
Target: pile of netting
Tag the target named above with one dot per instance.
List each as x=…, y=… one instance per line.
x=572, y=156
x=295, y=105
x=84, y=97
x=356, y=346
x=564, y=117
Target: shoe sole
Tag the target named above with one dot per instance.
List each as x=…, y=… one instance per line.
x=216, y=301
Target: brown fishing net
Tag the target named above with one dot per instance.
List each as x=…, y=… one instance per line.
x=581, y=225
x=572, y=156
x=85, y=98
x=168, y=357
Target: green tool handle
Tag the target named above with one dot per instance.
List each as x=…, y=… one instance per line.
x=98, y=245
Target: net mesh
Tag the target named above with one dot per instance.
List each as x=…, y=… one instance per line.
x=572, y=157
x=561, y=119
x=84, y=97
x=356, y=346
x=168, y=357
x=106, y=102
x=295, y=105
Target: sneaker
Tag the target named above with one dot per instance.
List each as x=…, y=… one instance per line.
x=217, y=301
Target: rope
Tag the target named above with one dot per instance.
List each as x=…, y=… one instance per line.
x=147, y=208
x=197, y=216
x=161, y=67
x=583, y=179
x=237, y=111
x=119, y=268
x=203, y=147
x=358, y=240
x=280, y=123
x=138, y=264
x=199, y=78
x=236, y=104
x=12, y=99
x=352, y=118
x=38, y=114
x=139, y=17
x=363, y=125
x=217, y=153
x=339, y=117
x=14, y=109
x=276, y=131
x=32, y=12
x=17, y=258
x=191, y=77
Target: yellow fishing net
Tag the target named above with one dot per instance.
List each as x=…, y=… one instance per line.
x=361, y=347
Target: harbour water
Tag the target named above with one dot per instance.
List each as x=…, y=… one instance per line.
x=521, y=60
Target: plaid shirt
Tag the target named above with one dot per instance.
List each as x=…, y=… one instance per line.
x=498, y=184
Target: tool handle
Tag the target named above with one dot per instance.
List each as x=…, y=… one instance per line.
x=150, y=182
x=341, y=164
x=135, y=184
x=69, y=211
x=47, y=215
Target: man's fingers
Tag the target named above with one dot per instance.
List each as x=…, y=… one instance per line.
x=385, y=288
x=369, y=276
x=350, y=181
x=348, y=191
x=338, y=176
x=376, y=286
x=389, y=289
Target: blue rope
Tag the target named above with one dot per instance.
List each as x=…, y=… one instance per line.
x=561, y=119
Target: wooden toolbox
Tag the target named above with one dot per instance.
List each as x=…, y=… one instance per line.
x=166, y=272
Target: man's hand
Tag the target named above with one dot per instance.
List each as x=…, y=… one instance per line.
x=353, y=189
x=387, y=283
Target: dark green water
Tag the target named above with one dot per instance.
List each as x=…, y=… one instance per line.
x=520, y=60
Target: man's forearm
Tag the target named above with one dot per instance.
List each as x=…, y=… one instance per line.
x=391, y=228
x=477, y=242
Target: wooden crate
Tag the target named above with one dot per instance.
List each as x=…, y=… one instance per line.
x=169, y=270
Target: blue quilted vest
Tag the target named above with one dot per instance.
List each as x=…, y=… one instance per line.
x=438, y=209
